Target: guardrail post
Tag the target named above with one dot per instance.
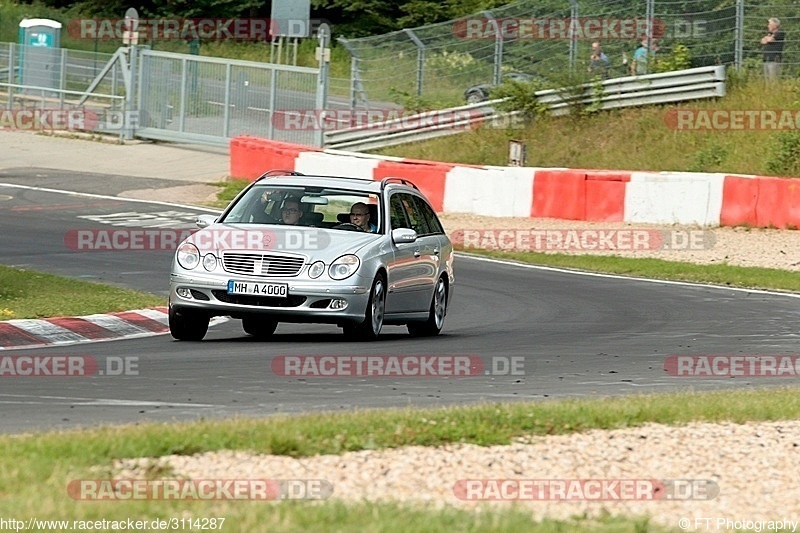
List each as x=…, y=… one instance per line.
x=114, y=85
x=130, y=97
x=324, y=37
x=12, y=72
x=182, y=105
x=573, y=41
x=62, y=82
x=353, y=77
x=226, y=113
x=497, y=74
x=649, y=56
x=356, y=84
x=420, y=59
x=738, y=59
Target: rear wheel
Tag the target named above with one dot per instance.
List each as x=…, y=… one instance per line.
x=260, y=328
x=433, y=326
x=187, y=326
x=370, y=328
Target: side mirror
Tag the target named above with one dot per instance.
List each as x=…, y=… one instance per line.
x=203, y=221
x=403, y=235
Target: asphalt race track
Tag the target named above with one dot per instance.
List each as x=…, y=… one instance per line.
x=577, y=335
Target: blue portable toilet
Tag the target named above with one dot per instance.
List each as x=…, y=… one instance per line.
x=39, y=58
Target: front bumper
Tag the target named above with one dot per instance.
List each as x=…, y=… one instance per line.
x=308, y=300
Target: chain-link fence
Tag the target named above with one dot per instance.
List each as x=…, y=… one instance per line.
x=552, y=39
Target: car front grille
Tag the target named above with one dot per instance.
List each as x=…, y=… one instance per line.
x=262, y=301
x=255, y=264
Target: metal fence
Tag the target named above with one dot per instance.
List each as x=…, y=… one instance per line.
x=650, y=89
x=209, y=100
x=438, y=62
x=66, y=74
x=173, y=97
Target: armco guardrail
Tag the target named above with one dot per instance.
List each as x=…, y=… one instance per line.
x=651, y=89
x=410, y=128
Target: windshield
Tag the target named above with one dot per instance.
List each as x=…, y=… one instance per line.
x=308, y=206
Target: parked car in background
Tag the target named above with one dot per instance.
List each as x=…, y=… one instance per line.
x=480, y=93
x=292, y=248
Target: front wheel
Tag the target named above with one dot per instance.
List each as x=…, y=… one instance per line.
x=438, y=310
x=187, y=326
x=370, y=328
x=475, y=98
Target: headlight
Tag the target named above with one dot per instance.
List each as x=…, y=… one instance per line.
x=344, y=267
x=188, y=256
x=316, y=269
x=209, y=262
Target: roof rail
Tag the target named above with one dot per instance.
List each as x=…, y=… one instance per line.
x=278, y=172
x=385, y=182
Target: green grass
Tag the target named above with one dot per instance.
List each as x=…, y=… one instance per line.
x=30, y=294
x=629, y=139
x=729, y=275
x=35, y=469
x=228, y=191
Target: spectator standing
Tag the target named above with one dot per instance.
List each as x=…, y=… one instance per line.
x=643, y=56
x=598, y=62
x=773, y=49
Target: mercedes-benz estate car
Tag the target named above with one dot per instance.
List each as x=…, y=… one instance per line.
x=315, y=249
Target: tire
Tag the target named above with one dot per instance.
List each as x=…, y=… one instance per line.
x=261, y=328
x=187, y=326
x=370, y=328
x=438, y=311
x=475, y=98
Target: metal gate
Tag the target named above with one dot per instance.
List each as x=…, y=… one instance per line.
x=188, y=98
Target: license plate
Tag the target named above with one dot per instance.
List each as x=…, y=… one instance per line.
x=276, y=290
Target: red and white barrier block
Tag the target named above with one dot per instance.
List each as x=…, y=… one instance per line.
x=686, y=198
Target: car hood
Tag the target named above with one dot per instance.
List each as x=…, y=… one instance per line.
x=316, y=243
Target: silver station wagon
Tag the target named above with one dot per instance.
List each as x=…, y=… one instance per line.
x=316, y=249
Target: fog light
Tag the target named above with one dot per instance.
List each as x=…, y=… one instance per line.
x=183, y=292
x=338, y=303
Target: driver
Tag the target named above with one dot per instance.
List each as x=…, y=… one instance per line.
x=291, y=212
x=359, y=215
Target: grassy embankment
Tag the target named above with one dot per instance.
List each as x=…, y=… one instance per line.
x=639, y=138
x=30, y=294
